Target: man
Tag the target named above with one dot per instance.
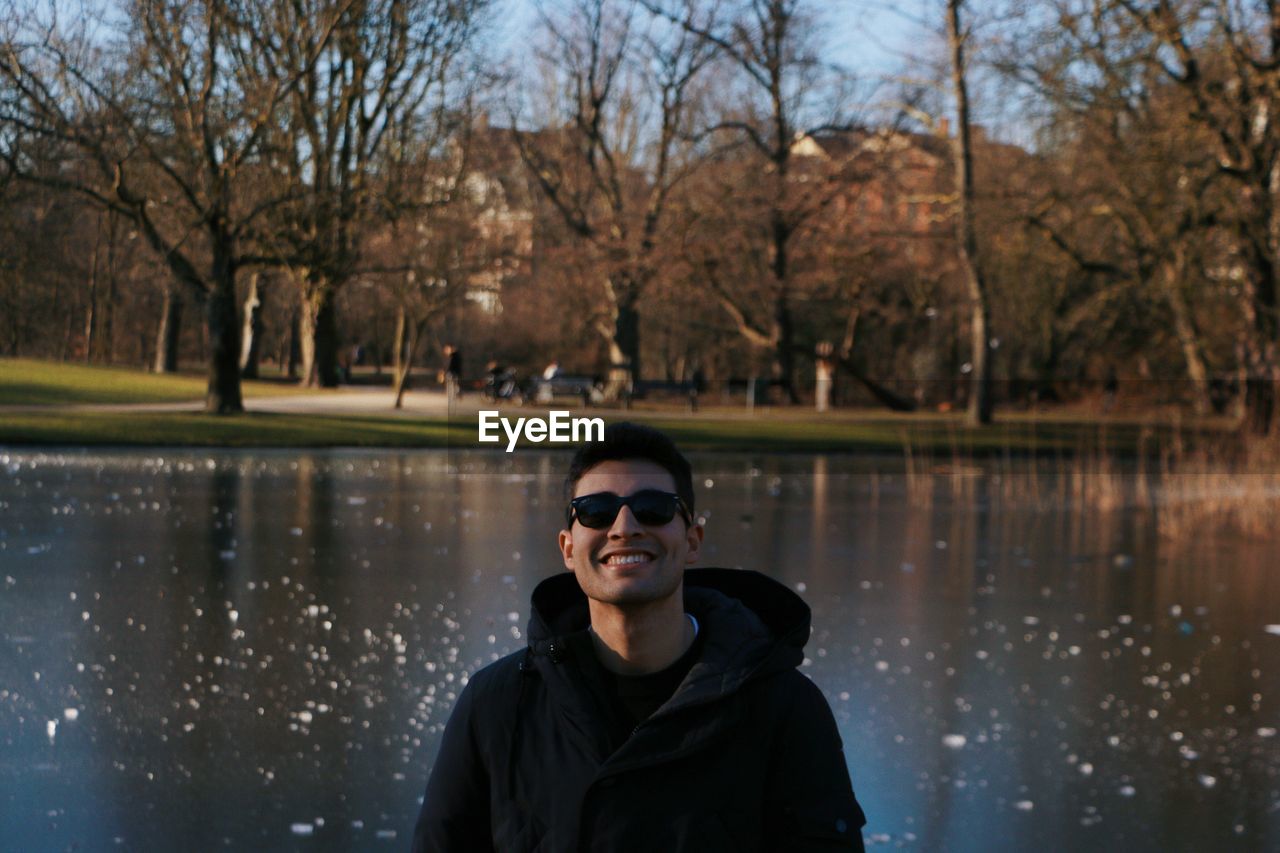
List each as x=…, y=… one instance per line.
x=452, y=371
x=656, y=708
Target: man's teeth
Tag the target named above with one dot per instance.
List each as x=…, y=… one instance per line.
x=623, y=559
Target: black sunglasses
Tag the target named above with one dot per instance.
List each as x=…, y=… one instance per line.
x=651, y=507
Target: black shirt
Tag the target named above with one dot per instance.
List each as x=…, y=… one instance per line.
x=628, y=700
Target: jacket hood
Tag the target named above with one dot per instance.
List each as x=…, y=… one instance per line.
x=753, y=626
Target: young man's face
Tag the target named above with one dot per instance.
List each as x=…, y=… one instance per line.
x=605, y=561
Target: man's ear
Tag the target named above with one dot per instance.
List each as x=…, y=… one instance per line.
x=694, y=538
x=566, y=548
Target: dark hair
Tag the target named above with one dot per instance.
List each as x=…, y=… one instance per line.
x=627, y=440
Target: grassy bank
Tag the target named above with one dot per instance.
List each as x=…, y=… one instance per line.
x=27, y=382
x=928, y=437
x=252, y=429
x=60, y=389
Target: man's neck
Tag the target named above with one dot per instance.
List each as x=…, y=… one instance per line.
x=640, y=640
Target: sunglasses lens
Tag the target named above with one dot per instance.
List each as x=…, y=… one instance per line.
x=596, y=511
x=653, y=508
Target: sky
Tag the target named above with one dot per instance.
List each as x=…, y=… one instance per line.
x=869, y=36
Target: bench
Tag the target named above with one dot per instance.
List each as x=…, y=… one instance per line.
x=584, y=388
x=646, y=388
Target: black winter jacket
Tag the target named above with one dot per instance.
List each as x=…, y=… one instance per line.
x=745, y=756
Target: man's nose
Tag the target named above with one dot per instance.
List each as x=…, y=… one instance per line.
x=625, y=525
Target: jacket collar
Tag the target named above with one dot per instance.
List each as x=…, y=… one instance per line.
x=753, y=626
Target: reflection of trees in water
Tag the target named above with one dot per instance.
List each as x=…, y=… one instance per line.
x=224, y=501
x=315, y=515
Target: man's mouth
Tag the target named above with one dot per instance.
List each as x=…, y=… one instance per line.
x=628, y=558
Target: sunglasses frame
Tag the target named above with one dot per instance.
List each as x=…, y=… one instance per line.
x=571, y=512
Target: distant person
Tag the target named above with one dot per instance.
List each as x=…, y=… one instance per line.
x=551, y=371
x=656, y=709
x=452, y=371
x=1110, y=389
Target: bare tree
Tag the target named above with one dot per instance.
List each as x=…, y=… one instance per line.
x=161, y=127
x=615, y=147
x=788, y=94
x=1223, y=58
x=980, y=403
x=387, y=65
x=424, y=248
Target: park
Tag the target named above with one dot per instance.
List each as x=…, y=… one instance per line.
x=966, y=319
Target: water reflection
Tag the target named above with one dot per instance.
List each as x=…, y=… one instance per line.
x=261, y=648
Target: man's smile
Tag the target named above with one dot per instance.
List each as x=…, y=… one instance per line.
x=627, y=557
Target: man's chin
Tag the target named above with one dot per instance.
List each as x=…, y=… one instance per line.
x=623, y=591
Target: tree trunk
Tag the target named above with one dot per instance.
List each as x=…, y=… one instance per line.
x=319, y=338
x=980, y=401
x=251, y=334
x=625, y=351
x=1185, y=330
x=397, y=348
x=170, y=332
x=292, y=357
x=107, y=333
x=622, y=336
x=1264, y=372
x=784, y=361
x=1259, y=302
x=223, y=325
x=783, y=327
x=91, y=316
x=410, y=336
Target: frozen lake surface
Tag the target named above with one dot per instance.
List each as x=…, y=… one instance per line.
x=258, y=650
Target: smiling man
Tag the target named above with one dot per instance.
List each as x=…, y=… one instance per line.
x=657, y=708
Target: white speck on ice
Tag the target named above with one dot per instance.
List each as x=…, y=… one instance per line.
x=70, y=714
x=1024, y=805
x=954, y=741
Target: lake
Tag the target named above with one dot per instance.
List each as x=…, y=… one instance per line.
x=258, y=650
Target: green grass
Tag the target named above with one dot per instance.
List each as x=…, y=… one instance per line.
x=253, y=429
x=60, y=386
x=938, y=435
x=27, y=382
x=931, y=436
